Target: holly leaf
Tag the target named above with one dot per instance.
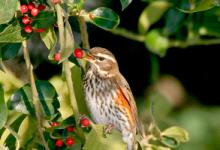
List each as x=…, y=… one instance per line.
x=78, y=86
x=7, y=10
x=68, y=45
x=9, y=51
x=21, y=100
x=44, y=19
x=49, y=38
x=149, y=16
x=125, y=3
x=24, y=134
x=3, y=108
x=95, y=140
x=12, y=34
x=104, y=18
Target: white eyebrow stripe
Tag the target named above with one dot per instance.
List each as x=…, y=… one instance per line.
x=107, y=57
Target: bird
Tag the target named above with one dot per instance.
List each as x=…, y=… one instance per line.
x=108, y=95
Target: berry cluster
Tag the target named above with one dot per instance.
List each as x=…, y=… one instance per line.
x=78, y=53
x=69, y=131
x=29, y=11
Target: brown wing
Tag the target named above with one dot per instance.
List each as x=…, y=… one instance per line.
x=128, y=102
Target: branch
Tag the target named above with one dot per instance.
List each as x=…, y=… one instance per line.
x=34, y=92
x=128, y=34
x=184, y=44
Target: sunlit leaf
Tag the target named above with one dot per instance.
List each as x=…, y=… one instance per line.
x=78, y=87
x=95, y=140
x=62, y=90
x=67, y=47
x=49, y=38
x=177, y=133
x=24, y=134
x=125, y=3
x=12, y=34
x=104, y=18
x=149, y=16
x=201, y=6
x=3, y=108
x=7, y=10
x=156, y=43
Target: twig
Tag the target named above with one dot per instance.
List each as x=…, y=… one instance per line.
x=184, y=44
x=84, y=33
x=128, y=34
x=34, y=93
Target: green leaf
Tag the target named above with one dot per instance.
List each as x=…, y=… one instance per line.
x=170, y=142
x=78, y=87
x=21, y=100
x=10, y=51
x=104, y=18
x=95, y=140
x=44, y=19
x=174, y=21
x=12, y=34
x=200, y=6
x=67, y=47
x=7, y=10
x=3, y=108
x=125, y=3
x=149, y=16
x=49, y=38
x=177, y=133
x=156, y=43
x=48, y=97
x=210, y=23
x=24, y=134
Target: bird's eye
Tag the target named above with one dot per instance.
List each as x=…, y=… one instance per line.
x=100, y=58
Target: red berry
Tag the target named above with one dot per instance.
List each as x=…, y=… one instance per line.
x=57, y=57
x=34, y=12
x=56, y=1
x=39, y=30
x=70, y=141
x=30, y=6
x=54, y=124
x=24, y=9
x=84, y=122
x=28, y=29
x=41, y=7
x=59, y=143
x=78, y=53
x=70, y=129
x=26, y=20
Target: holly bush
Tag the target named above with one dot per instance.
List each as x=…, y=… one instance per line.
x=39, y=114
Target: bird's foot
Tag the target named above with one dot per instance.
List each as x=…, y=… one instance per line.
x=108, y=129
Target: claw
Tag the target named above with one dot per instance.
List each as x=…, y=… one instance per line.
x=108, y=129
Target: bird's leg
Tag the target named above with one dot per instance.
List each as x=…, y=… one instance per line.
x=108, y=129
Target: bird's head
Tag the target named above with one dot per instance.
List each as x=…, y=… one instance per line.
x=102, y=61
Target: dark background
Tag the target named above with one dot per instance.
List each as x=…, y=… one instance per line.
x=196, y=67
